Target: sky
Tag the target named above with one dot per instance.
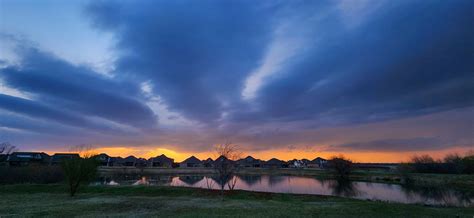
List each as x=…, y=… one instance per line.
x=375, y=80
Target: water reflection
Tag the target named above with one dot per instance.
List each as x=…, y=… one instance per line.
x=343, y=187
x=191, y=179
x=307, y=185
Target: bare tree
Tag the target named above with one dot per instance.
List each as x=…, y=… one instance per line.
x=225, y=165
x=83, y=150
x=7, y=148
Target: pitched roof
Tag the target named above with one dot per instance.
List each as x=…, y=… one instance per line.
x=102, y=157
x=208, y=160
x=130, y=158
x=318, y=160
x=221, y=159
x=275, y=161
x=249, y=160
x=162, y=159
x=192, y=160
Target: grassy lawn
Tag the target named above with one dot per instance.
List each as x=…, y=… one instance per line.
x=52, y=200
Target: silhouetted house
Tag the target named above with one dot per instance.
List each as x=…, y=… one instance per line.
x=28, y=158
x=141, y=162
x=317, y=163
x=115, y=161
x=223, y=160
x=103, y=159
x=296, y=163
x=161, y=161
x=129, y=161
x=191, y=162
x=208, y=163
x=275, y=163
x=249, y=161
x=305, y=161
x=58, y=158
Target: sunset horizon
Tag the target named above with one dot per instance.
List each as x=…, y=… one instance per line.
x=237, y=108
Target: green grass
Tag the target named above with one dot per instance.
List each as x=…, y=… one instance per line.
x=52, y=200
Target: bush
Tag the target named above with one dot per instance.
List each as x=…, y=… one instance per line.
x=452, y=163
x=78, y=171
x=341, y=166
x=468, y=164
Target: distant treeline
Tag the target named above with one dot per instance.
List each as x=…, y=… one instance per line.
x=450, y=164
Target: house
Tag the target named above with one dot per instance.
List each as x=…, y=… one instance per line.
x=317, y=163
x=221, y=160
x=191, y=162
x=28, y=158
x=130, y=161
x=115, y=161
x=141, y=162
x=296, y=163
x=208, y=163
x=161, y=161
x=58, y=158
x=275, y=163
x=249, y=161
x=305, y=161
x=103, y=159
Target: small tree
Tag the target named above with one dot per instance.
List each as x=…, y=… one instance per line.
x=225, y=165
x=341, y=166
x=78, y=171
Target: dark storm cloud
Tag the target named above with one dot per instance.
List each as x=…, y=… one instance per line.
x=57, y=86
x=38, y=110
x=406, y=60
x=196, y=53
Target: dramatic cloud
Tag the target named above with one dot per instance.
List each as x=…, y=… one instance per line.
x=56, y=82
x=372, y=75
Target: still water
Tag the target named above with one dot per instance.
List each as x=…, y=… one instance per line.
x=309, y=185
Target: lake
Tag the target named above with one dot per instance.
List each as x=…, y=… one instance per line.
x=308, y=185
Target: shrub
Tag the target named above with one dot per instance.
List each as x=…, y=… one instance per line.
x=341, y=166
x=78, y=171
x=468, y=164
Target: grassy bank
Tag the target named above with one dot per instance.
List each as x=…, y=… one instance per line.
x=52, y=200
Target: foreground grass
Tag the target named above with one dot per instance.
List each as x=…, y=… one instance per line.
x=52, y=200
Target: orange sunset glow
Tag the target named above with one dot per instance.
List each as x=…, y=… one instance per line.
x=284, y=154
